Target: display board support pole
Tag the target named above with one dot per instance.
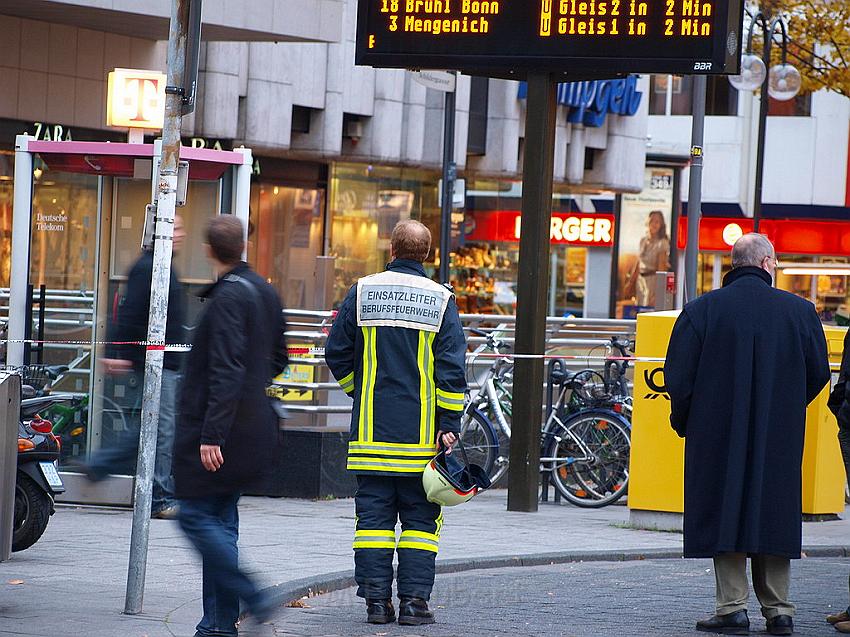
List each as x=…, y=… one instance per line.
x=449, y=176
x=166, y=185
x=532, y=293
x=695, y=189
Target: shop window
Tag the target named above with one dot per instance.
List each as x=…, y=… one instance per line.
x=478, y=105
x=64, y=225
x=681, y=101
x=288, y=224
x=7, y=172
x=365, y=203
x=721, y=98
x=830, y=293
x=673, y=95
x=658, y=88
x=800, y=106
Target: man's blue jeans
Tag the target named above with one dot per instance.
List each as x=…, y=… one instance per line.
x=212, y=525
x=121, y=456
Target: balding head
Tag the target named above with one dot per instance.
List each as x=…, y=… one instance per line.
x=751, y=250
x=754, y=250
x=411, y=240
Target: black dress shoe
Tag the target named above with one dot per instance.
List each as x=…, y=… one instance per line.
x=414, y=611
x=736, y=623
x=380, y=611
x=780, y=625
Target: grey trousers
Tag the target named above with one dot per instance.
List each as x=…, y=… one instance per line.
x=121, y=456
x=771, y=579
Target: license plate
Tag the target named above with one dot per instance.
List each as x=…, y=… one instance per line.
x=48, y=470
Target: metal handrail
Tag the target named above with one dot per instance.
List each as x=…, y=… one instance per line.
x=312, y=327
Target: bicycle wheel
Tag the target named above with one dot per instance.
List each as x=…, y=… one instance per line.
x=479, y=440
x=592, y=451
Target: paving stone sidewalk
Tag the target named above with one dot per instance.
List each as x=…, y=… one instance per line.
x=651, y=598
x=72, y=581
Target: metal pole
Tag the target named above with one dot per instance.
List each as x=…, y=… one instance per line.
x=764, y=104
x=695, y=188
x=449, y=176
x=160, y=279
x=538, y=166
x=21, y=228
x=242, y=198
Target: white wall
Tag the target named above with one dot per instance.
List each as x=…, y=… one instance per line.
x=805, y=157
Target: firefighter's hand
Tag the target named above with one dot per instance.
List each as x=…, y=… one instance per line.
x=446, y=440
x=211, y=457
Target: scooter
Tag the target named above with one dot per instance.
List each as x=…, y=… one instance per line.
x=38, y=480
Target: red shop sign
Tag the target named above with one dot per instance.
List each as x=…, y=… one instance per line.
x=578, y=229
x=789, y=236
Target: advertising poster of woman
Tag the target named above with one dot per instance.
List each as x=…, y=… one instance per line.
x=644, y=247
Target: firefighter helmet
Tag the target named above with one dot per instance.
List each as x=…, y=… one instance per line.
x=449, y=481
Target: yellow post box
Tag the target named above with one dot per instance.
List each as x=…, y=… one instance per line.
x=656, y=477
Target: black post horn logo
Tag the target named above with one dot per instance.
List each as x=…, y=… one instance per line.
x=656, y=389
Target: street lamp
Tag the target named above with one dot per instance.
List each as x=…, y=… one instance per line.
x=782, y=83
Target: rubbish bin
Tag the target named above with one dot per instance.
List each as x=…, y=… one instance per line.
x=656, y=476
x=10, y=403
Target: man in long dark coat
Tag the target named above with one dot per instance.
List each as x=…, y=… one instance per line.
x=743, y=363
x=227, y=430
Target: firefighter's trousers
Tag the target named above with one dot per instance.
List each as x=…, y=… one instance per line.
x=380, y=502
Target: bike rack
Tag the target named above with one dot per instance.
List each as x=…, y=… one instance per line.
x=555, y=366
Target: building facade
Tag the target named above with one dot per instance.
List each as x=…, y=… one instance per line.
x=806, y=203
x=342, y=152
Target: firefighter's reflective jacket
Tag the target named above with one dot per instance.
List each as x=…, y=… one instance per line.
x=398, y=349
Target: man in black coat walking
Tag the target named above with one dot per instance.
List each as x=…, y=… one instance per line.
x=743, y=363
x=126, y=365
x=227, y=431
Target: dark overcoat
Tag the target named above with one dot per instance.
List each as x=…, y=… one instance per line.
x=743, y=363
x=237, y=349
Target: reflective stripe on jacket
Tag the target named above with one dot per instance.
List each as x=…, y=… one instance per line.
x=398, y=349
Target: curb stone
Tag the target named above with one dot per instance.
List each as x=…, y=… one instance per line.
x=288, y=592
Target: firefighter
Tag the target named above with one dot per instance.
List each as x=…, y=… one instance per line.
x=398, y=349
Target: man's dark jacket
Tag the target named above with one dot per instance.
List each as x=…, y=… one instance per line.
x=743, y=363
x=131, y=322
x=238, y=348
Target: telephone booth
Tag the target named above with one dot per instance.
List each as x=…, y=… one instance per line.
x=76, y=230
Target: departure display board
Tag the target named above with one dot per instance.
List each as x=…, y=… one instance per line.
x=511, y=37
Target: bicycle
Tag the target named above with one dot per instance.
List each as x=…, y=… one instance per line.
x=492, y=403
x=586, y=452
x=584, y=441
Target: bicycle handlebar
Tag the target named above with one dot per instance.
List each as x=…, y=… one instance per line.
x=621, y=346
x=492, y=343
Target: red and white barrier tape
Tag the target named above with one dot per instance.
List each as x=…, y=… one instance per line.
x=150, y=345
x=306, y=352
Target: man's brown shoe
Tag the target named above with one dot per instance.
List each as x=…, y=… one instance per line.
x=838, y=618
x=842, y=627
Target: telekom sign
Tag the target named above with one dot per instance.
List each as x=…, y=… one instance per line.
x=136, y=99
x=568, y=228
